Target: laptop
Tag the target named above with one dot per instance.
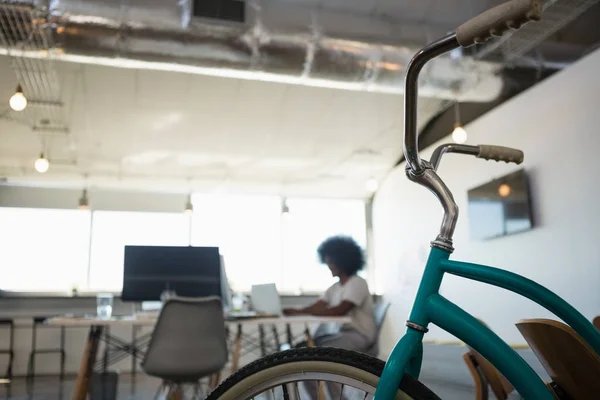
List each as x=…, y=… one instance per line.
x=265, y=299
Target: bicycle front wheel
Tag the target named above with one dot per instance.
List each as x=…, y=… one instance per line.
x=314, y=373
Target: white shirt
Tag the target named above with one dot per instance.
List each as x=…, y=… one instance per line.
x=356, y=291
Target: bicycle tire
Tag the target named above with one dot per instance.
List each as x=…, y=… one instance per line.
x=339, y=362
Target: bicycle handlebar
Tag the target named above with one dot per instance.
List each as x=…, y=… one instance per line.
x=495, y=21
x=500, y=153
x=487, y=152
x=512, y=14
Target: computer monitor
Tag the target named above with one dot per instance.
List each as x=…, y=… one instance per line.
x=149, y=271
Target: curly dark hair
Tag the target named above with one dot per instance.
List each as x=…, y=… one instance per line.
x=343, y=252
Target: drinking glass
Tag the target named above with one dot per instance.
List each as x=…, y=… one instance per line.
x=104, y=303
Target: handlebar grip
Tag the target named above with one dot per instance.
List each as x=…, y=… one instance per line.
x=500, y=153
x=497, y=20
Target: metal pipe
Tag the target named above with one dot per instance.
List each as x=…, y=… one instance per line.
x=411, y=146
x=163, y=35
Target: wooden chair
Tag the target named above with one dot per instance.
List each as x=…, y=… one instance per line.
x=570, y=362
x=486, y=376
x=596, y=322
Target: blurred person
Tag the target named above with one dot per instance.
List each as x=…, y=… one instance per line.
x=348, y=296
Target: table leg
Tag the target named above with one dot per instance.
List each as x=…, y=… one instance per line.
x=176, y=393
x=276, y=338
x=214, y=380
x=86, y=368
x=311, y=343
x=106, y=349
x=290, y=337
x=261, y=333
x=237, y=347
x=134, y=350
x=309, y=339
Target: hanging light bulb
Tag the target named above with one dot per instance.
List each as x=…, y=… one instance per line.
x=189, y=207
x=17, y=101
x=459, y=135
x=372, y=185
x=42, y=164
x=504, y=190
x=84, y=201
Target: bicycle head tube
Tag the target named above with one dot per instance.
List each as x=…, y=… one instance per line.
x=418, y=170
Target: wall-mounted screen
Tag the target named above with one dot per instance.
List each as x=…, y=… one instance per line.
x=500, y=207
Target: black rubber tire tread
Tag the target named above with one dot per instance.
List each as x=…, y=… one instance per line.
x=409, y=385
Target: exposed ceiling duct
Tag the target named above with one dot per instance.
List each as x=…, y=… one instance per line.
x=165, y=34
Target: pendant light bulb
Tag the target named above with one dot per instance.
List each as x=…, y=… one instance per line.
x=17, y=101
x=84, y=201
x=285, y=209
x=189, y=207
x=459, y=135
x=42, y=164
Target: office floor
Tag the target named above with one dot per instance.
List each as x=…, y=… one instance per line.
x=48, y=388
x=443, y=372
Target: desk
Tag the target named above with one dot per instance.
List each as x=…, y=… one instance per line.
x=100, y=330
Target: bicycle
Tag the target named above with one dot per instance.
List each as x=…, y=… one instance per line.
x=278, y=375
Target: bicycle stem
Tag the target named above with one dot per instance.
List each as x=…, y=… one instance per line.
x=418, y=170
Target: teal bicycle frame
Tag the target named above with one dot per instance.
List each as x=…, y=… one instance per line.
x=430, y=306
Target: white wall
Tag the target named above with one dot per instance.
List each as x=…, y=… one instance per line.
x=557, y=125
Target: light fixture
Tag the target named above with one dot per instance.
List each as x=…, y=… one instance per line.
x=84, y=201
x=459, y=135
x=42, y=164
x=504, y=190
x=189, y=207
x=371, y=185
x=285, y=209
x=17, y=101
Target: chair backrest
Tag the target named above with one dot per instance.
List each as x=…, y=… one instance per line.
x=596, y=322
x=189, y=340
x=569, y=360
x=380, y=310
x=498, y=383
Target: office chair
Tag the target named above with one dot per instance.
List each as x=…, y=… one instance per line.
x=188, y=344
x=380, y=311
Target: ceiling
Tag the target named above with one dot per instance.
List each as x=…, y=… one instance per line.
x=172, y=131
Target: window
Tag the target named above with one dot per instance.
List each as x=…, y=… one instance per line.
x=247, y=231
x=43, y=249
x=112, y=230
x=57, y=250
x=309, y=222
